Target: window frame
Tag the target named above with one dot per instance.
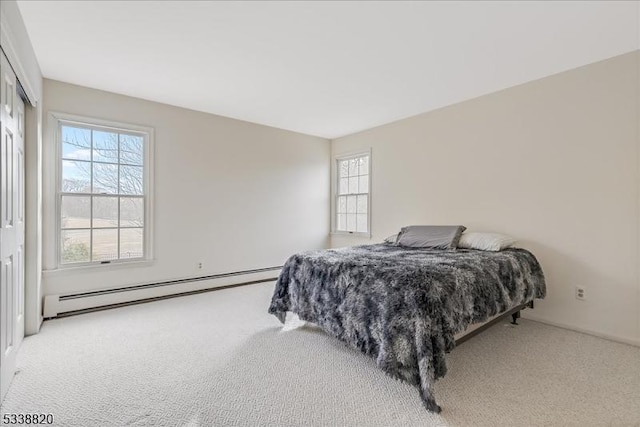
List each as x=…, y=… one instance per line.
x=61, y=119
x=335, y=187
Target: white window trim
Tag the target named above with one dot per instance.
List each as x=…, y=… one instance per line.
x=56, y=118
x=334, y=194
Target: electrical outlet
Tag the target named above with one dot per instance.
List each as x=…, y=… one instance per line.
x=581, y=294
x=200, y=266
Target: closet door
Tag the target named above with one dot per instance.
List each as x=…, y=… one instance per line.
x=11, y=223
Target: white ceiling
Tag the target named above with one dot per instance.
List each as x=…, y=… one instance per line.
x=321, y=68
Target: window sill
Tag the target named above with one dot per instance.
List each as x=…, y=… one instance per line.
x=96, y=268
x=347, y=234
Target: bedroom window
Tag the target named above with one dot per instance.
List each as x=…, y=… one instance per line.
x=103, y=197
x=352, y=199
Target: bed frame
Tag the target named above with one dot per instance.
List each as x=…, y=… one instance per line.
x=514, y=313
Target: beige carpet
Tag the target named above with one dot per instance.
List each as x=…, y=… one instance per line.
x=218, y=359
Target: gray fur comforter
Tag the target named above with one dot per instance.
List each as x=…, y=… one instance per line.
x=404, y=306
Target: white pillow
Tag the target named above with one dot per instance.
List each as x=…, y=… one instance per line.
x=485, y=241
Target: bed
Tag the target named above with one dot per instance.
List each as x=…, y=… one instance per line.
x=405, y=306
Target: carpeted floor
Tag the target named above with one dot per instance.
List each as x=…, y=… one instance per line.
x=218, y=359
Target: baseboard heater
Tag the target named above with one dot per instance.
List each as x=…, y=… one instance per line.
x=71, y=304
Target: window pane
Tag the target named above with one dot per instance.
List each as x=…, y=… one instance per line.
x=131, y=149
x=76, y=143
x=132, y=243
x=362, y=204
x=72, y=152
x=342, y=222
x=78, y=137
x=364, y=184
x=353, y=167
x=131, y=181
x=75, y=246
x=351, y=204
x=353, y=184
x=361, y=223
x=105, y=178
x=342, y=204
x=131, y=212
x=343, y=168
x=105, y=146
x=105, y=212
x=76, y=212
x=351, y=222
x=76, y=177
x=364, y=165
x=105, y=245
x=344, y=186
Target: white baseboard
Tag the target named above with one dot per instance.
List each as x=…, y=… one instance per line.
x=629, y=341
x=55, y=305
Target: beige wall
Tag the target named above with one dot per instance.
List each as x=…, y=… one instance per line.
x=553, y=162
x=230, y=194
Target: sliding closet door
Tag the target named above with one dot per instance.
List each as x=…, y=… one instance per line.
x=11, y=223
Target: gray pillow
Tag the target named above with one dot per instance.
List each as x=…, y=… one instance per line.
x=431, y=236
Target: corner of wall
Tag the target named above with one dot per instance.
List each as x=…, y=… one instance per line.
x=638, y=176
